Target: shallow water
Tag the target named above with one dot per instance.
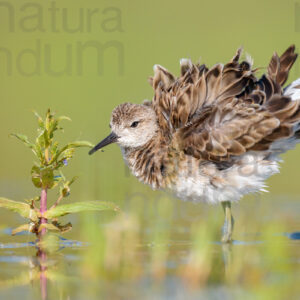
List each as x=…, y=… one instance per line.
x=159, y=261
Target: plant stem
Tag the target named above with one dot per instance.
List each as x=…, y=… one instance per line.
x=56, y=202
x=43, y=209
x=41, y=254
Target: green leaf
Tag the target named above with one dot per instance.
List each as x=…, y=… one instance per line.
x=40, y=140
x=63, y=118
x=67, y=154
x=46, y=139
x=65, y=189
x=77, y=207
x=22, y=209
x=29, y=201
x=23, y=138
x=63, y=228
x=47, y=176
x=49, y=227
x=49, y=118
x=24, y=227
x=53, y=151
x=76, y=144
x=40, y=120
x=53, y=127
x=36, y=177
x=68, y=150
x=39, y=153
x=42, y=177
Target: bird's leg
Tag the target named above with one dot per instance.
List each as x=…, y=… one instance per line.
x=228, y=224
x=227, y=257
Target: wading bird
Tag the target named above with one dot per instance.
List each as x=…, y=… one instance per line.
x=211, y=135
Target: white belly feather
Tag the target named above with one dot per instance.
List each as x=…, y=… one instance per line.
x=208, y=184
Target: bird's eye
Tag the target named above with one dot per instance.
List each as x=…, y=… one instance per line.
x=134, y=124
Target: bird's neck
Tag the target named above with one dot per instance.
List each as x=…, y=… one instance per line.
x=147, y=162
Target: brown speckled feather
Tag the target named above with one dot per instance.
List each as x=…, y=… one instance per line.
x=214, y=114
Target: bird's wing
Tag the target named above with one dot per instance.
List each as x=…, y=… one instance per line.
x=223, y=111
x=178, y=100
x=234, y=127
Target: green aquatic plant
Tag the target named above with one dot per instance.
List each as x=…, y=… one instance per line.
x=46, y=174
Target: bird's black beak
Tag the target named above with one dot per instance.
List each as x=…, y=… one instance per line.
x=112, y=138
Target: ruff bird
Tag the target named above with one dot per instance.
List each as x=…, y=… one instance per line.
x=212, y=134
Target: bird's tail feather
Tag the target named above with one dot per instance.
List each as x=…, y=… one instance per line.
x=279, y=67
x=290, y=118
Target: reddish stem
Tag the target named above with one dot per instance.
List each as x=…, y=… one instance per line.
x=43, y=209
x=43, y=276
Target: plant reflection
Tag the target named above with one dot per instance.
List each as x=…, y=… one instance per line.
x=129, y=257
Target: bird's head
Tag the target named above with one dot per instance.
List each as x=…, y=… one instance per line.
x=132, y=126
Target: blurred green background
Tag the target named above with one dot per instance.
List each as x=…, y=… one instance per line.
x=81, y=59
